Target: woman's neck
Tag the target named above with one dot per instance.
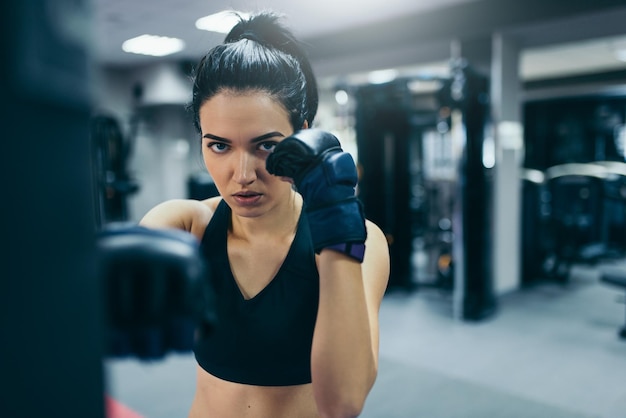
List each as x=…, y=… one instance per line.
x=281, y=221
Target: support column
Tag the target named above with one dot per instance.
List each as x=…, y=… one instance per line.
x=508, y=158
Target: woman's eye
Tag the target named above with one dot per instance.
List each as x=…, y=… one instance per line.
x=267, y=146
x=218, y=147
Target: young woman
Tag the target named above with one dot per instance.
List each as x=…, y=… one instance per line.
x=298, y=273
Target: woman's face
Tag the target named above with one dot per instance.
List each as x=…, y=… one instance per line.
x=239, y=131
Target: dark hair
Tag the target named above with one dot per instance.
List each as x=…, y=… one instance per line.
x=259, y=54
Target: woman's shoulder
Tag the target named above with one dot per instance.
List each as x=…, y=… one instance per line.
x=187, y=214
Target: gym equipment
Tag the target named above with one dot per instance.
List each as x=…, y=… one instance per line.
x=391, y=122
x=573, y=213
x=537, y=242
x=467, y=93
x=383, y=133
x=201, y=186
x=577, y=143
x=614, y=204
x=326, y=176
x=113, y=182
x=157, y=290
x=616, y=276
x=576, y=215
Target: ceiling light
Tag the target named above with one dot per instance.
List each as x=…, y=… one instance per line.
x=620, y=54
x=157, y=46
x=619, y=49
x=221, y=22
x=341, y=97
x=382, y=76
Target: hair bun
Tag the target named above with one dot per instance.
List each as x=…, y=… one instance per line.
x=250, y=36
x=262, y=28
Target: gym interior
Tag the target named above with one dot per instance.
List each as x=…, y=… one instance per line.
x=490, y=137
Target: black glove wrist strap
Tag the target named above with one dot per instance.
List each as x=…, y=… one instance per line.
x=354, y=250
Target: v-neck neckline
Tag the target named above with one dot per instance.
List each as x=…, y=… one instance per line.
x=276, y=276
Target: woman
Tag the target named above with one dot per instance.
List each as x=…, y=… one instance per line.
x=297, y=330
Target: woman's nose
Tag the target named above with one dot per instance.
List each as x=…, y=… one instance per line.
x=245, y=168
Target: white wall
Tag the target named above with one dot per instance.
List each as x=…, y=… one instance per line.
x=165, y=147
x=166, y=152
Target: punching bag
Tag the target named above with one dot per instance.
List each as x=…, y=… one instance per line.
x=51, y=351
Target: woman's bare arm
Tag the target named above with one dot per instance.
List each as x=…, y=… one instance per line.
x=345, y=344
x=189, y=215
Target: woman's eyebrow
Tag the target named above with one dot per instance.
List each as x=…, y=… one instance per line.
x=215, y=137
x=254, y=140
x=267, y=136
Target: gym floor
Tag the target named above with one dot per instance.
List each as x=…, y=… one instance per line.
x=551, y=351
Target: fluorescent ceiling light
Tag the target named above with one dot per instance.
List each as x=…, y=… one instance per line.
x=157, y=46
x=382, y=76
x=620, y=54
x=221, y=22
x=619, y=49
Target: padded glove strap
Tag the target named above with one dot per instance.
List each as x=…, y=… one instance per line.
x=353, y=250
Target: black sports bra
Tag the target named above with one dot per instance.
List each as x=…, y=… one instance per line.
x=265, y=340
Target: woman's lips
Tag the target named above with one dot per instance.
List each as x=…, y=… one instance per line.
x=247, y=198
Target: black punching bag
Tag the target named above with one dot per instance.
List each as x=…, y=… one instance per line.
x=383, y=127
x=473, y=230
x=50, y=355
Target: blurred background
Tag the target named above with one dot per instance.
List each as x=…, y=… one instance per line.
x=491, y=139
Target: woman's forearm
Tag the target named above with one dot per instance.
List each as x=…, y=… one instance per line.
x=343, y=360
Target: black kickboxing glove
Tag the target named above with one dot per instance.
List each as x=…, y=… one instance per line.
x=157, y=291
x=326, y=177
